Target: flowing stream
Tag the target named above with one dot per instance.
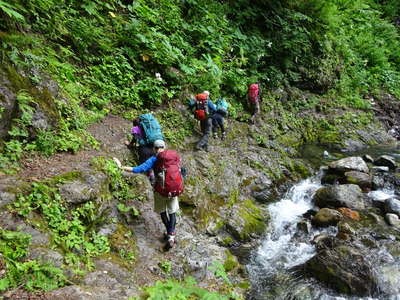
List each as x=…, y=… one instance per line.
x=275, y=269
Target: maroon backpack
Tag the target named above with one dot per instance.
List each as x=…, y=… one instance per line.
x=253, y=92
x=169, y=181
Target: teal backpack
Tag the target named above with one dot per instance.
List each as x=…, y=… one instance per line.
x=222, y=106
x=151, y=129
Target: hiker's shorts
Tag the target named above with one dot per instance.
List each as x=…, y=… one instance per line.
x=162, y=204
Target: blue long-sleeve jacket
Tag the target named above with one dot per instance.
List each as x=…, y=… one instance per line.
x=147, y=165
x=211, y=106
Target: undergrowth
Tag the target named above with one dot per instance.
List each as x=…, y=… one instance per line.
x=19, y=272
x=72, y=229
x=104, y=56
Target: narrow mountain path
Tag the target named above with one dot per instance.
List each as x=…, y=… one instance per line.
x=111, y=133
x=193, y=255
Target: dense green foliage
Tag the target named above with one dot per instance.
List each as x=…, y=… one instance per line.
x=72, y=230
x=105, y=55
x=182, y=290
x=20, y=272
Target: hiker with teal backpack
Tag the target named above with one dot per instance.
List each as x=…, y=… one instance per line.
x=203, y=109
x=218, y=117
x=145, y=131
x=168, y=186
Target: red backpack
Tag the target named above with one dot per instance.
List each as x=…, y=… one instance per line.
x=201, y=107
x=169, y=181
x=253, y=92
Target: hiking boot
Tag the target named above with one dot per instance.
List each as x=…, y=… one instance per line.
x=198, y=147
x=205, y=147
x=170, y=241
x=215, y=135
x=223, y=135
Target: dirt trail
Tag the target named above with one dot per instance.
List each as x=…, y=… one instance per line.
x=110, y=133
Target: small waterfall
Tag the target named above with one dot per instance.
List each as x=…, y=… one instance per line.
x=281, y=248
x=277, y=249
x=272, y=270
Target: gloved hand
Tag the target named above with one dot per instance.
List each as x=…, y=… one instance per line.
x=117, y=161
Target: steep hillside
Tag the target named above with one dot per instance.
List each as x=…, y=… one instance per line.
x=73, y=75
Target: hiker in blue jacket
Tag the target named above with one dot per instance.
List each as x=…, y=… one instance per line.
x=165, y=205
x=203, y=113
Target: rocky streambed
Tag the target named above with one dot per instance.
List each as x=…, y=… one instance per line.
x=335, y=235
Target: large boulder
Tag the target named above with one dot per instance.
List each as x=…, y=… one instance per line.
x=327, y=217
x=344, y=269
x=393, y=220
x=361, y=179
x=392, y=206
x=353, y=163
x=386, y=160
x=344, y=195
x=88, y=187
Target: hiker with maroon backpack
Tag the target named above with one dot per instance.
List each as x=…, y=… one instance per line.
x=168, y=185
x=254, y=98
x=203, y=109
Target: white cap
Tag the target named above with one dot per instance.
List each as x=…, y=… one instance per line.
x=206, y=92
x=159, y=144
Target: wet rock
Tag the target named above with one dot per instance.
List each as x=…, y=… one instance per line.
x=386, y=160
x=353, y=163
x=344, y=227
x=322, y=241
x=328, y=178
x=349, y=214
x=327, y=217
x=392, y=206
x=351, y=145
x=344, y=195
x=245, y=221
x=367, y=158
x=380, y=169
x=310, y=213
x=89, y=187
x=393, y=220
x=344, y=269
x=377, y=182
x=243, y=252
x=264, y=196
x=361, y=179
x=304, y=226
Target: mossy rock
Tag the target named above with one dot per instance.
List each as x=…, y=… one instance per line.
x=123, y=245
x=230, y=262
x=245, y=221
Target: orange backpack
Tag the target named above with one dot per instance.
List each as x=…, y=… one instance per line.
x=201, y=111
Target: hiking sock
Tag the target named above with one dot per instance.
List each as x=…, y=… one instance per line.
x=172, y=223
x=165, y=220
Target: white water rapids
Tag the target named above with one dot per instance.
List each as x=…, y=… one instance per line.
x=284, y=247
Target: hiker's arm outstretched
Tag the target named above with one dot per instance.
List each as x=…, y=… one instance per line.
x=144, y=167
